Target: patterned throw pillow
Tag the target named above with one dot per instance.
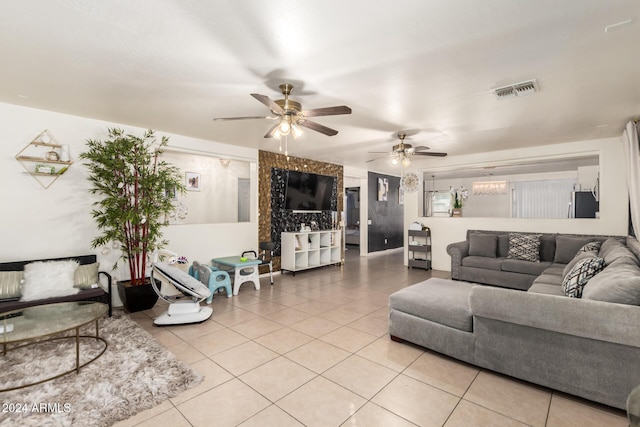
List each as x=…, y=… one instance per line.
x=585, y=269
x=591, y=247
x=524, y=246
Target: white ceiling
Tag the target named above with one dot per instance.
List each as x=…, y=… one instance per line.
x=418, y=65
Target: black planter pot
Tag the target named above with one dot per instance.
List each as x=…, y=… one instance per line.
x=137, y=298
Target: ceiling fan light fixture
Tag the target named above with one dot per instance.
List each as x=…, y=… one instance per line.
x=406, y=162
x=285, y=127
x=395, y=161
x=296, y=131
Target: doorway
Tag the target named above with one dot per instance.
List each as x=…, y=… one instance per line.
x=352, y=228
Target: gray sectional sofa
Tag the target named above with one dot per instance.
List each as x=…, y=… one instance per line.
x=482, y=257
x=588, y=346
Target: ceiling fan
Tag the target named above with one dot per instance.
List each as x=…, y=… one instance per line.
x=291, y=116
x=401, y=153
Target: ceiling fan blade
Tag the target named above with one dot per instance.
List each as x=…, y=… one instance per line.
x=272, y=132
x=420, y=148
x=318, y=127
x=428, y=153
x=377, y=158
x=328, y=111
x=268, y=102
x=219, y=119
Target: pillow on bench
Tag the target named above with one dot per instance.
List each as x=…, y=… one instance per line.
x=10, y=283
x=49, y=279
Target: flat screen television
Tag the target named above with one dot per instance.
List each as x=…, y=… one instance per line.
x=308, y=191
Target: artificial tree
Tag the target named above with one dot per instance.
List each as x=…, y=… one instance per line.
x=134, y=184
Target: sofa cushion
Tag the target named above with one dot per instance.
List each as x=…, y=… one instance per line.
x=503, y=245
x=547, y=288
x=549, y=279
x=483, y=262
x=577, y=278
x=619, y=282
x=524, y=267
x=48, y=279
x=547, y=247
x=485, y=245
x=568, y=246
x=10, y=284
x=612, y=250
x=555, y=269
x=524, y=246
x=441, y=301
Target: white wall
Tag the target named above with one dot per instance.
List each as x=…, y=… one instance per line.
x=614, y=199
x=39, y=223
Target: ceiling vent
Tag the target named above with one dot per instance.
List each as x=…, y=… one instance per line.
x=516, y=89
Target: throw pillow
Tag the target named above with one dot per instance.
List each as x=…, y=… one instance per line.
x=567, y=247
x=574, y=261
x=48, y=279
x=618, y=283
x=10, y=284
x=484, y=245
x=585, y=269
x=590, y=247
x=86, y=276
x=524, y=246
x=613, y=250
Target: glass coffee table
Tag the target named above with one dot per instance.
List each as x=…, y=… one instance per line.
x=42, y=323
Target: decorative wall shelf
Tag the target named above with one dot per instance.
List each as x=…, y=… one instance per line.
x=44, y=159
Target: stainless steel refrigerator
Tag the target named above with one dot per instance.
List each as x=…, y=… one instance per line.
x=583, y=205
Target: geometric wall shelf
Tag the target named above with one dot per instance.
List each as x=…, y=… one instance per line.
x=44, y=159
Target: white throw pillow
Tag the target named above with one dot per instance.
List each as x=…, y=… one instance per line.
x=48, y=279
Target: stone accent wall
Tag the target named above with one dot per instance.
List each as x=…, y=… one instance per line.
x=272, y=219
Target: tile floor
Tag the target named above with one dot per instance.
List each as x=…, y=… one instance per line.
x=313, y=350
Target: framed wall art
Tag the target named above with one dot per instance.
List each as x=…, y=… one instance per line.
x=192, y=181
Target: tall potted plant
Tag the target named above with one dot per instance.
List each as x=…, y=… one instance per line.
x=133, y=183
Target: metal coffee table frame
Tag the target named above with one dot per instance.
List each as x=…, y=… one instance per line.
x=100, y=312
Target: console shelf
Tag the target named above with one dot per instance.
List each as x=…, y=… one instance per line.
x=420, y=249
x=305, y=250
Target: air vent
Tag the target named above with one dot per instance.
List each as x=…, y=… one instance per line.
x=516, y=89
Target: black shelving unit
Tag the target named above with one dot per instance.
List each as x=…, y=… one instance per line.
x=420, y=249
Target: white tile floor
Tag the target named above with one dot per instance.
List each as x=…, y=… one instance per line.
x=313, y=350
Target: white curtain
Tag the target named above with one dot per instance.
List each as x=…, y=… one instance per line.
x=632, y=157
x=542, y=199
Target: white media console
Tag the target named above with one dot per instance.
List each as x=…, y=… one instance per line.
x=311, y=249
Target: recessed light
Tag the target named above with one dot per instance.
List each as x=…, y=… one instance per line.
x=22, y=96
x=602, y=126
x=616, y=26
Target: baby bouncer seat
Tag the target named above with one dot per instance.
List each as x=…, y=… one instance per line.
x=181, y=310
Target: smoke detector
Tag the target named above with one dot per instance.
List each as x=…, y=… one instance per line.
x=516, y=89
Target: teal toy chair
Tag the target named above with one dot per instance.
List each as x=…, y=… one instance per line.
x=212, y=277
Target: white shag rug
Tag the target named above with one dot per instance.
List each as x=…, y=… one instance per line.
x=135, y=373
